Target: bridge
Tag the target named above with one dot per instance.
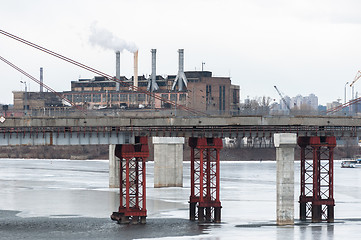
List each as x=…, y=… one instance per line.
x=121, y=130
x=127, y=137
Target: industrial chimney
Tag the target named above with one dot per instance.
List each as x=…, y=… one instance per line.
x=181, y=77
x=135, y=82
x=117, y=70
x=152, y=84
x=41, y=79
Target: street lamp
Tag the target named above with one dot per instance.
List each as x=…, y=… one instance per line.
x=25, y=98
x=345, y=91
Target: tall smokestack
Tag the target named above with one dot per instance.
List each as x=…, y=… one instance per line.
x=152, y=84
x=135, y=82
x=41, y=79
x=181, y=60
x=154, y=62
x=181, y=67
x=117, y=70
x=181, y=77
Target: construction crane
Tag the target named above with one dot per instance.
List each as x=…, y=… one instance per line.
x=357, y=77
x=283, y=99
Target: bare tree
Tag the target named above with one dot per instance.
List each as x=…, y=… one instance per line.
x=264, y=101
x=258, y=105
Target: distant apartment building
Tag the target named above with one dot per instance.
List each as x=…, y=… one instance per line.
x=299, y=102
x=333, y=105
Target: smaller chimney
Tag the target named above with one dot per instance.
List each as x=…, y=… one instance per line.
x=117, y=70
x=152, y=83
x=41, y=79
x=181, y=77
x=135, y=82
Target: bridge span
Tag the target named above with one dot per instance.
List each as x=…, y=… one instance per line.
x=121, y=130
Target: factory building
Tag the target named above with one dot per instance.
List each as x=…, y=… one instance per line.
x=204, y=93
x=198, y=90
x=36, y=100
x=194, y=89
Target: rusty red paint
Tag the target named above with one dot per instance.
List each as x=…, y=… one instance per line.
x=205, y=181
x=317, y=202
x=133, y=171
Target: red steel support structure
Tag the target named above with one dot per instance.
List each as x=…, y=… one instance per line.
x=316, y=199
x=205, y=179
x=132, y=207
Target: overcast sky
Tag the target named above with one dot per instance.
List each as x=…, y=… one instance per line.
x=302, y=47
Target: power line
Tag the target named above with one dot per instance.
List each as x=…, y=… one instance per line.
x=37, y=81
x=342, y=106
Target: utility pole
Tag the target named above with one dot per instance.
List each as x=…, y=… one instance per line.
x=345, y=92
x=357, y=77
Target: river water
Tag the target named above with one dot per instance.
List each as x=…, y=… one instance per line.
x=68, y=199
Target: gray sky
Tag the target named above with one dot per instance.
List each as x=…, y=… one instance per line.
x=303, y=47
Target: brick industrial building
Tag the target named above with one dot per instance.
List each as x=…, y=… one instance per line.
x=204, y=93
x=200, y=91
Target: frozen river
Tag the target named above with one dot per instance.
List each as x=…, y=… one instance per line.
x=67, y=199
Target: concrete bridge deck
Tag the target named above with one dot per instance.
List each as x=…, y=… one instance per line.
x=120, y=130
x=216, y=121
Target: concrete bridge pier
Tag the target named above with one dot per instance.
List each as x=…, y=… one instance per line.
x=168, y=161
x=114, y=168
x=285, y=144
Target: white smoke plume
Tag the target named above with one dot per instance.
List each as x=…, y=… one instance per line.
x=104, y=38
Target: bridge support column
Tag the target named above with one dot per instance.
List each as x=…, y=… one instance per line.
x=316, y=198
x=285, y=144
x=132, y=207
x=205, y=180
x=114, y=168
x=168, y=161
